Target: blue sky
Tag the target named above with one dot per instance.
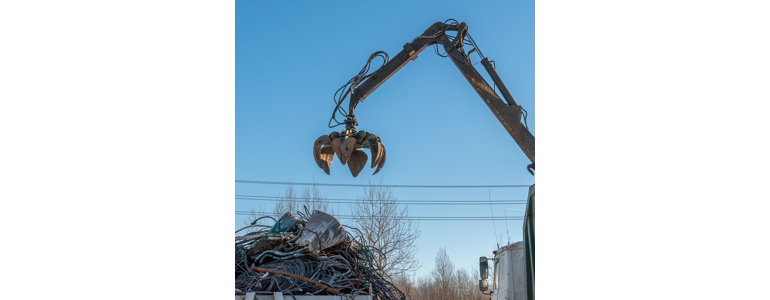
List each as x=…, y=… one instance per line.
x=290, y=58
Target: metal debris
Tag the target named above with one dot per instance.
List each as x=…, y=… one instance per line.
x=311, y=254
x=321, y=232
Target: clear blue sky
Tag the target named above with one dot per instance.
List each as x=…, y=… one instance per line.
x=290, y=58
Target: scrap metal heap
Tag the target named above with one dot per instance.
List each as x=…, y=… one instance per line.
x=309, y=254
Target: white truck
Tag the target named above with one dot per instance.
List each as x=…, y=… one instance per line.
x=513, y=275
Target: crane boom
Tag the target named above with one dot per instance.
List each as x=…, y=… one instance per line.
x=508, y=112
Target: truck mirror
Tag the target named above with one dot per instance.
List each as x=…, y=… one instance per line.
x=483, y=267
x=483, y=285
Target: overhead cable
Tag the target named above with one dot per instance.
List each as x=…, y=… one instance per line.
x=396, y=200
x=385, y=185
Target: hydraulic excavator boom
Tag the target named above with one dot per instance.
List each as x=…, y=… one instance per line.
x=347, y=143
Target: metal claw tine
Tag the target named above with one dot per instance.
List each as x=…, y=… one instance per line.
x=336, y=146
x=346, y=148
x=382, y=159
x=375, y=146
x=327, y=156
x=321, y=141
x=357, y=162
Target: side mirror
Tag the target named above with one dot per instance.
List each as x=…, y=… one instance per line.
x=483, y=268
x=483, y=285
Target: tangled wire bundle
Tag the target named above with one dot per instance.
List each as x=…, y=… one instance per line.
x=268, y=261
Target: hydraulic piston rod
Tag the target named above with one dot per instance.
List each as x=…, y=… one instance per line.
x=499, y=82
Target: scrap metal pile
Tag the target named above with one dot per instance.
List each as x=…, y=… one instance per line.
x=308, y=254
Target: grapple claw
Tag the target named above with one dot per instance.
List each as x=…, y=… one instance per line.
x=320, y=142
x=327, y=155
x=357, y=161
x=374, y=146
x=347, y=147
x=336, y=146
x=382, y=160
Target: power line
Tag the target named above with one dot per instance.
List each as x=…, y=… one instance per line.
x=410, y=202
x=406, y=203
x=430, y=219
x=383, y=185
x=241, y=212
x=421, y=217
x=449, y=220
x=353, y=199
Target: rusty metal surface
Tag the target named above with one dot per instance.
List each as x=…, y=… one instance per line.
x=347, y=145
x=326, y=157
x=381, y=160
x=373, y=143
x=357, y=161
x=509, y=116
x=323, y=153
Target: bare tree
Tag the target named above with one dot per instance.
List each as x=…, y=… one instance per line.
x=443, y=275
x=406, y=284
x=386, y=226
x=253, y=218
x=293, y=201
x=426, y=289
x=447, y=282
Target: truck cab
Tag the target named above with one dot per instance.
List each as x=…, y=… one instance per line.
x=513, y=265
x=509, y=276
